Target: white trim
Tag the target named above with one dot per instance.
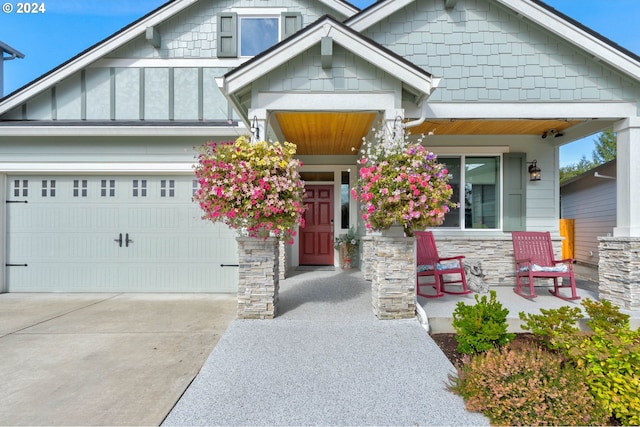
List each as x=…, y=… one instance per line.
x=341, y=6
x=333, y=101
x=357, y=45
x=104, y=48
x=168, y=62
x=95, y=168
x=259, y=11
x=486, y=150
x=123, y=130
x=524, y=110
x=376, y=13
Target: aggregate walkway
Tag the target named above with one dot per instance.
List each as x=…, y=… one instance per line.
x=325, y=360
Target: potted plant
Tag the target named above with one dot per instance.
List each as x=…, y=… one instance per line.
x=401, y=183
x=253, y=187
x=347, y=246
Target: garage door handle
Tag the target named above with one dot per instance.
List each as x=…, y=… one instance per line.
x=127, y=239
x=119, y=240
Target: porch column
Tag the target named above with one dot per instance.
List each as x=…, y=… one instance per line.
x=619, y=260
x=628, y=177
x=258, y=277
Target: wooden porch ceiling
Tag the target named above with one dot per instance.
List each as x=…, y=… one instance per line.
x=338, y=133
x=324, y=133
x=492, y=127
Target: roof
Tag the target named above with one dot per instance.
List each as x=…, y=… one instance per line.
x=591, y=172
x=116, y=40
x=421, y=81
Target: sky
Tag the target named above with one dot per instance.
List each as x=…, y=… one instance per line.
x=63, y=28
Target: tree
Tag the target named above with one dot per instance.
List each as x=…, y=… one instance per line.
x=604, y=151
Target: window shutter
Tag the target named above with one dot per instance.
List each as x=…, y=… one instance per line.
x=515, y=192
x=227, y=35
x=291, y=22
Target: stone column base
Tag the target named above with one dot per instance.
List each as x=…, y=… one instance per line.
x=366, y=262
x=258, y=277
x=393, y=287
x=619, y=271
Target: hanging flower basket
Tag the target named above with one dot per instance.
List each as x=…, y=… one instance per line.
x=253, y=187
x=401, y=183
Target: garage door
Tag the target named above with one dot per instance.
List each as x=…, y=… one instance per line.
x=114, y=234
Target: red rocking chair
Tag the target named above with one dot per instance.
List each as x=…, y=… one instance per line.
x=533, y=253
x=429, y=263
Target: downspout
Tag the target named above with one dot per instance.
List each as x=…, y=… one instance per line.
x=423, y=116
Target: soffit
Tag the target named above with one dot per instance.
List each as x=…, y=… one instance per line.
x=325, y=133
x=492, y=127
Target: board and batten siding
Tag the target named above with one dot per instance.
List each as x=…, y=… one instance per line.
x=125, y=94
x=591, y=201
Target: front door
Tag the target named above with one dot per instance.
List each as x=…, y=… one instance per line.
x=316, y=238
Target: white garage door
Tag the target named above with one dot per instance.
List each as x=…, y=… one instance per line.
x=114, y=234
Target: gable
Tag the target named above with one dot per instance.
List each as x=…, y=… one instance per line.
x=484, y=51
x=192, y=32
x=173, y=47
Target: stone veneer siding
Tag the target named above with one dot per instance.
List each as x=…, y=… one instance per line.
x=619, y=271
x=394, y=275
x=494, y=252
x=258, y=277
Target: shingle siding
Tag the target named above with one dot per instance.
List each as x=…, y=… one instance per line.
x=482, y=45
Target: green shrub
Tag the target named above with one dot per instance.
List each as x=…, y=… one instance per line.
x=608, y=357
x=554, y=327
x=525, y=385
x=482, y=326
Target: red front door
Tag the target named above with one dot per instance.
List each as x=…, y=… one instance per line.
x=316, y=238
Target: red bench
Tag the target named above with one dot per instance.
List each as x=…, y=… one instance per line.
x=534, y=258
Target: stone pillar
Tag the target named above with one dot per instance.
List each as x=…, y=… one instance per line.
x=393, y=287
x=619, y=271
x=258, y=277
x=366, y=260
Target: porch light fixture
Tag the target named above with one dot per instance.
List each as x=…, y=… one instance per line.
x=255, y=129
x=534, y=171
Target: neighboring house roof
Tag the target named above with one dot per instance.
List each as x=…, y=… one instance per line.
x=415, y=79
x=536, y=11
x=5, y=48
x=591, y=172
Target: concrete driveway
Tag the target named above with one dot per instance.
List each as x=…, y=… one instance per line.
x=103, y=359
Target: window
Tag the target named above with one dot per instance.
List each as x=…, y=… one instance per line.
x=108, y=188
x=253, y=32
x=79, y=188
x=164, y=191
x=257, y=34
x=21, y=188
x=479, y=176
x=139, y=188
x=49, y=188
x=345, y=196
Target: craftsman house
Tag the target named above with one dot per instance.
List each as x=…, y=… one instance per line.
x=96, y=155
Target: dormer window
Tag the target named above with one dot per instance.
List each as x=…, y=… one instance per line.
x=250, y=33
x=257, y=34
